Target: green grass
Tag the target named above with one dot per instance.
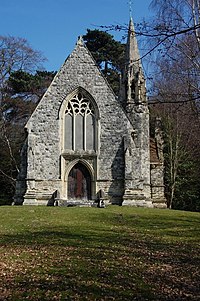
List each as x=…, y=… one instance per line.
x=117, y=253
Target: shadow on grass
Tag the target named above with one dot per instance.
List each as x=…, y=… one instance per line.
x=144, y=245
x=94, y=265
x=114, y=256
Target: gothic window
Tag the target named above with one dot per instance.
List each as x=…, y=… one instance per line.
x=80, y=124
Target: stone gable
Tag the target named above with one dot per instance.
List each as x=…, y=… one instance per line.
x=118, y=163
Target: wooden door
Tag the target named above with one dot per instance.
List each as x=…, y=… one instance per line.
x=79, y=183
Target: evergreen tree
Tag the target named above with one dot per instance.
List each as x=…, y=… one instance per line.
x=16, y=107
x=108, y=53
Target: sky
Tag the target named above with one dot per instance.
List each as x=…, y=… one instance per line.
x=53, y=26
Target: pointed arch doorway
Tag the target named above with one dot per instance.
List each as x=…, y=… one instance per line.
x=79, y=183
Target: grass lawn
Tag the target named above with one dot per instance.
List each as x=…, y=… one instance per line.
x=116, y=253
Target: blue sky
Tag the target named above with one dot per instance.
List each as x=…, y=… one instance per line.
x=52, y=26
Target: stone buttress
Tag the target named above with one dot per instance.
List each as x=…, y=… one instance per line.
x=137, y=152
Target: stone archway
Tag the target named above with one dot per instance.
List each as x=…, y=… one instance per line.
x=79, y=183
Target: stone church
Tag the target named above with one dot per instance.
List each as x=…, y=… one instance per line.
x=83, y=143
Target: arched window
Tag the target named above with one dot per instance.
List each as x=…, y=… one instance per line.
x=80, y=124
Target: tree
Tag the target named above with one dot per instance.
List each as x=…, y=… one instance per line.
x=21, y=81
x=176, y=91
x=108, y=53
x=181, y=154
x=11, y=139
x=16, y=106
x=179, y=54
x=16, y=54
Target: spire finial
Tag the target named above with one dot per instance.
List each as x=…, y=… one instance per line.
x=130, y=2
x=80, y=41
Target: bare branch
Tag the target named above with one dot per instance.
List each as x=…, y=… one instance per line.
x=13, y=181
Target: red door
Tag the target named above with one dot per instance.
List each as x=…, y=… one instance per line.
x=79, y=183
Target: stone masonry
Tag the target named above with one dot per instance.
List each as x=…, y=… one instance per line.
x=82, y=139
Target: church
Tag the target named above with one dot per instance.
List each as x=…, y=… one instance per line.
x=84, y=143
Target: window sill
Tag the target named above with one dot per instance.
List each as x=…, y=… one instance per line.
x=78, y=153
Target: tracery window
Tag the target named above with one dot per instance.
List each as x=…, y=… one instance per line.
x=80, y=124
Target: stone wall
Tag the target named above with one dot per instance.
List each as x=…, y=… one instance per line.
x=45, y=127
x=157, y=185
x=120, y=163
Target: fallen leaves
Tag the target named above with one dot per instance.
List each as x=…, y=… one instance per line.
x=103, y=256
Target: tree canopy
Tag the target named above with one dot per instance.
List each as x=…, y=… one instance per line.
x=16, y=54
x=176, y=96
x=19, y=63
x=108, y=53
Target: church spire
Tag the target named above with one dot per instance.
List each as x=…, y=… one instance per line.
x=133, y=89
x=132, y=51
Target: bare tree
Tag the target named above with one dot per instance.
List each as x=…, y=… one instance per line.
x=181, y=146
x=179, y=51
x=17, y=54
